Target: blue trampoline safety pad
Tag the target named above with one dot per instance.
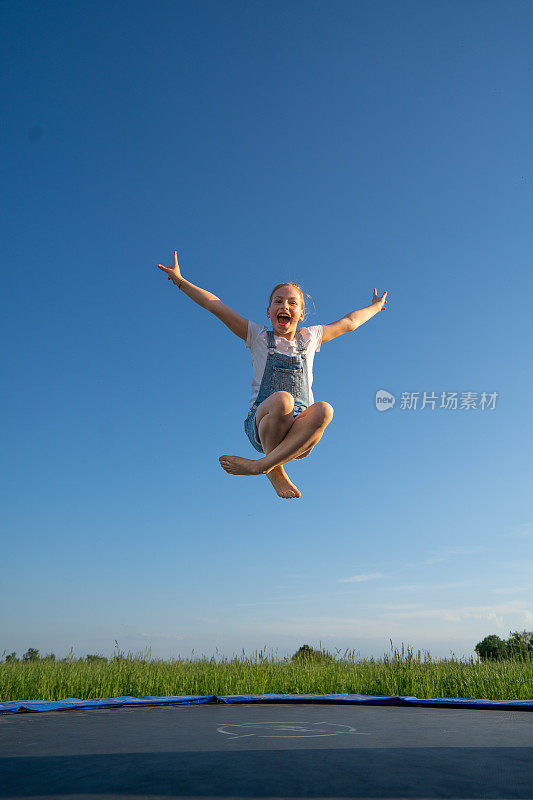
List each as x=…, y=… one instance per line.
x=71, y=703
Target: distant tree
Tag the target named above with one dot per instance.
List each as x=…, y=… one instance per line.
x=520, y=643
x=11, y=658
x=49, y=657
x=95, y=659
x=491, y=647
x=306, y=653
x=31, y=654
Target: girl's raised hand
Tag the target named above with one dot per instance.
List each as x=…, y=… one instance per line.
x=380, y=301
x=173, y=272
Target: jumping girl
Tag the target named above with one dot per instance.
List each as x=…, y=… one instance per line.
x=284, y=422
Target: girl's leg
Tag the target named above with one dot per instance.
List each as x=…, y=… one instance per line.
x=305, y=432
x=274, y=418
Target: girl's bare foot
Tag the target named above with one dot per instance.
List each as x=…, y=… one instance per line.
x=282, y=484
x=236, y=465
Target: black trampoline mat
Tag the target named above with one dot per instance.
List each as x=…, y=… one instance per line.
x=267, y=751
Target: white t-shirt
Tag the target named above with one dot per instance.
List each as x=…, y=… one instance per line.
x=256, y=341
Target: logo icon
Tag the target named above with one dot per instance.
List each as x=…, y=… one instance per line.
x=384, y=400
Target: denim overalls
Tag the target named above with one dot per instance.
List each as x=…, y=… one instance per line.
x=282, y=373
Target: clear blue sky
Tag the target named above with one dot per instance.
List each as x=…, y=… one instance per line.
x=344, y=145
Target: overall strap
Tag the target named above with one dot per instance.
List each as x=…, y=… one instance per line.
x=301, y=343
x=271, y=342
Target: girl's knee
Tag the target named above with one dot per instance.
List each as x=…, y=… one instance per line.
x=276, y=404
x=282, y=402
x=324, y=412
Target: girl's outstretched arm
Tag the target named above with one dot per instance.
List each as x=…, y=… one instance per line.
x=352, y=321
x=237, y=324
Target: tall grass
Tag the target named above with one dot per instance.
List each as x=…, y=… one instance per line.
x=399, y=673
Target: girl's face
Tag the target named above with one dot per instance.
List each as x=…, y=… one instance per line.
x=285, y=311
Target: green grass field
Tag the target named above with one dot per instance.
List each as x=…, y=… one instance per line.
x=401, y=673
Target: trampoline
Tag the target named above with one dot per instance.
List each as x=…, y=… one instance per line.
x=268, y=746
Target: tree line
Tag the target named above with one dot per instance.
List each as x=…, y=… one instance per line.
x=32, y=654
x=518, y=645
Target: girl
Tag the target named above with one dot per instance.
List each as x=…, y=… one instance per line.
x=284, y=422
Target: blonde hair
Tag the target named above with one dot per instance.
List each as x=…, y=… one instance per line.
x=296, y=286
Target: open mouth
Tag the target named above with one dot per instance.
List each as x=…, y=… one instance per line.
x=284, y=319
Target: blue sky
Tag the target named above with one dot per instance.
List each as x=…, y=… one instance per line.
x=347, y=146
